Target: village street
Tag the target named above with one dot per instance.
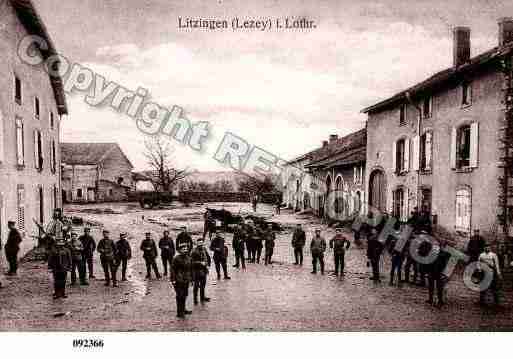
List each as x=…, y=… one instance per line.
x=278, y=297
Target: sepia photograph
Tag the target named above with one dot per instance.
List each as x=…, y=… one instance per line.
x=271, y=166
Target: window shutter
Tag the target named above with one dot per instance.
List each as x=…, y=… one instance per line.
x=429, y=149
x=42, y=150
x=453, y=148
x=36, y=157
x=1, y=137
x=394, y=157
x=361, y=174
x=416, y=153
x=407, y=154
x=354, y=174
x=474, y=144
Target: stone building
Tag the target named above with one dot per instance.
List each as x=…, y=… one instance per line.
x=95, y=172
x=329, y=179
x=32, y=105
x=445, y=143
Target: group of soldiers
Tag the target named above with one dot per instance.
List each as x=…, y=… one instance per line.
x=252, y=238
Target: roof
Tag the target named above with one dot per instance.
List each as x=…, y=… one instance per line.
x=88, y=153
x=345, y=158
x=141, y=176
x=114, y=184
x=34, y=25
x=445, y=77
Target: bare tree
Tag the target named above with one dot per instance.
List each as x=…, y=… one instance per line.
x=159, y=154
x=223, y=185
x=257, y=184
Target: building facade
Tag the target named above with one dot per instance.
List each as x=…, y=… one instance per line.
x=95, y=172
x=329, y=179
x=440, y=145
x=32, y=105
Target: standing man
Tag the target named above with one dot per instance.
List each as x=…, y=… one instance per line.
x=254, y=202
x=218, y=247
x=77, y=260
x=209, y=224
x=317, y=248
x=475, y=246
x=259, y=242
x=298, y=243
x=270, y=239
x=238, y=244
x=278, y=206
x=12, y=247
x=339, y=244
x=397, y=258
x=374, y=249
x=180, y=276
x=54, y=229
x=184, y=237
x=435, y=273
x=89, y=247
x=59, y=262
x=167, y=251
x=492, y=261
x=108, y=258
x=200, y=266
x=149, y=249
x=250, y=241
x=124, y=253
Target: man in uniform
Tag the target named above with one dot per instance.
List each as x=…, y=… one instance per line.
x=220, y=254
x=180, y=277
x=270, y=239
x=298, y=243
x=184, y=237
x=435, y=272
x=89, y=248
x=374, y=249
x=77, y=260
x=108, y=258
x=250, y=241
x=59, y=262
x=238, y=244
x=167, y=250
x=339, y=243
x=492, y=261
x=209, y=225
x=200, y=265
x=259, y=242
x=12, y=247
x=54, y=229
x=317, y=248
x=124, y=253
x=149, y=249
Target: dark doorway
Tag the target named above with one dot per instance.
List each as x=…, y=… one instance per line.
x=377, y=191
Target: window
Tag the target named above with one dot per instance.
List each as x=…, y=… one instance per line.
x=426, y=151
x=79, y=193
x=401, y=156
x=52, y=121
x=463, y=210
x=20, y=143
x=17, y=90
x=21, y=207
x=53, y=157
x=38, y=150
x=399, y=204
x=402, y=115
x=358, y=174
x=111, y=192
x=466, y=94
x=465, y=146
x=36, y=108
x=427, y=107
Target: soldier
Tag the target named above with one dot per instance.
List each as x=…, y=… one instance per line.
x=200, y=266
x=492, y=261
x=270, y=239
x=374, y=249
x=259, y=243
x=339, y=244
x=220, y=254
x=238, y=244
x=77, y=260
x=317, y=248
x=124, y=253
x=298, y=243
x=149, y=249
x=397, y=258
x=54, y=229
x=250, y=241
x=59, y=262
x=89, y=248
x=435, y=273
x=108, y=258
x=184, y=237
x=209, y=224
x=12, y=247
x=180, y=277
x=167, y=251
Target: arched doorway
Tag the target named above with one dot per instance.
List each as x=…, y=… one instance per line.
x=377, y=190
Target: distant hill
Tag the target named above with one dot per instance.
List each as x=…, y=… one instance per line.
x=212, y=177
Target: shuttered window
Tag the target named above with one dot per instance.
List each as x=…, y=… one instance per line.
x=21, y=207
x=38, y=150
x=401, y=150
x=465, y=146
x=463, y=210
x=20, y=142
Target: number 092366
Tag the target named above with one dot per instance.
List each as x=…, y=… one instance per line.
x=88, y=343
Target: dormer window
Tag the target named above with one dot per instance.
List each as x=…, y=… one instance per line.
x=466, y=94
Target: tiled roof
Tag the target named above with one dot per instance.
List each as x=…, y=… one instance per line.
x=34, y=25
x=343, y=158
x=87, y=153
x=447, y=76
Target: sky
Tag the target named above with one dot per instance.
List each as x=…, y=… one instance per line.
x=282, y=90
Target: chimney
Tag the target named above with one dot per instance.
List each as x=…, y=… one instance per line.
x=333, y=138
x=324, y=144
x=461, y=45
x=505, y=30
